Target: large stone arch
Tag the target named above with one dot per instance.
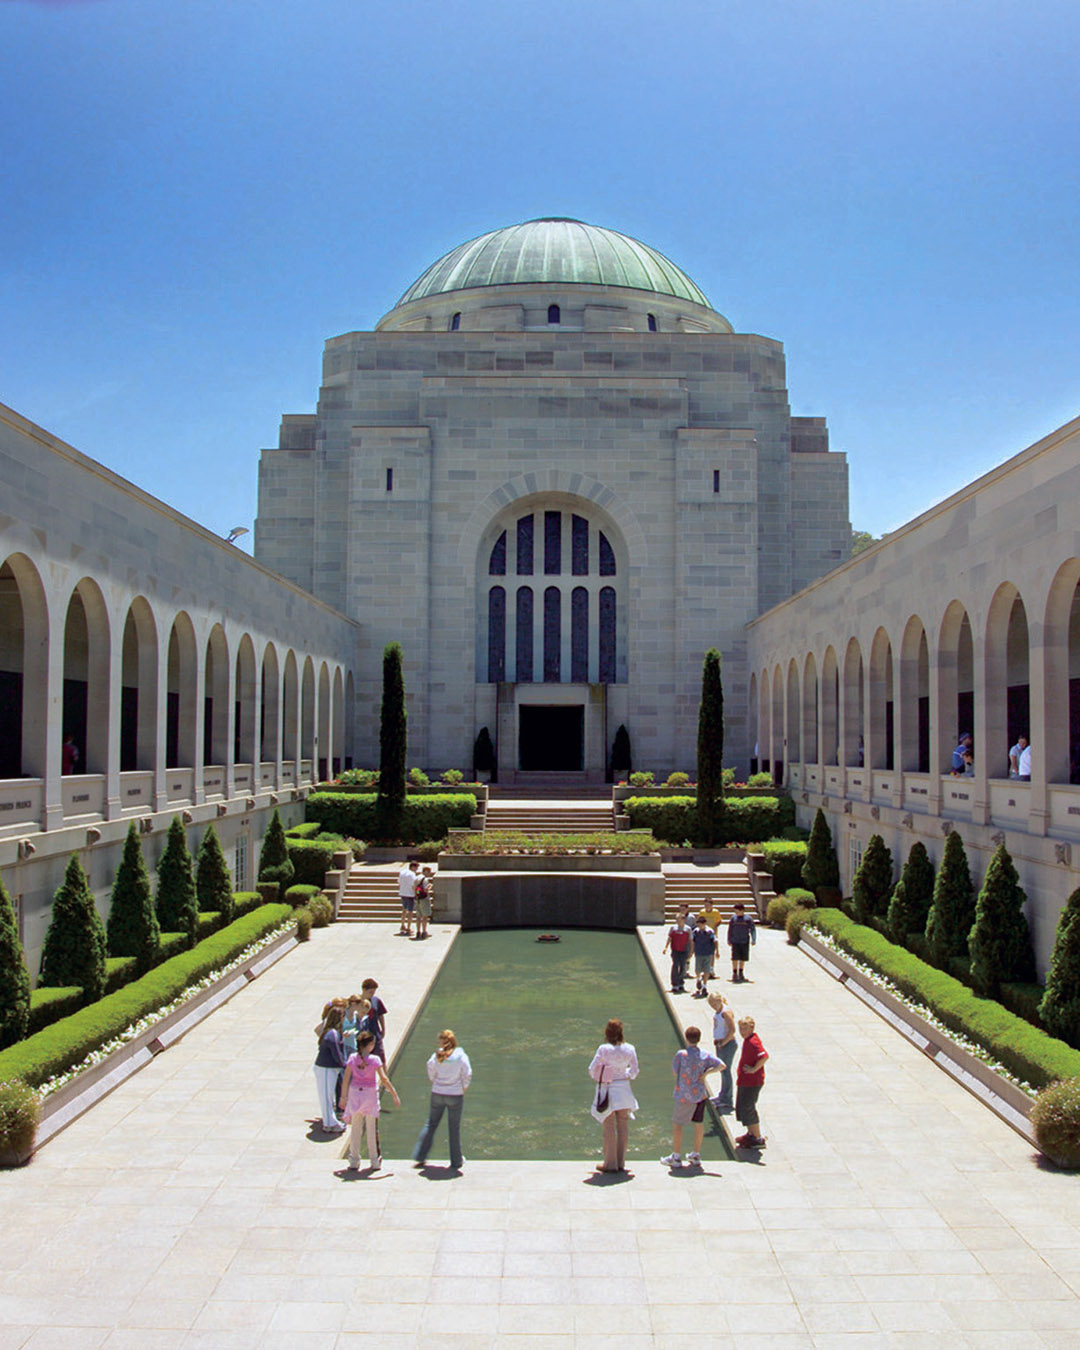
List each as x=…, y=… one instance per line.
x=216, y=720
x=24, y=668
x=1006, y=678
x=882, y=705
x=914, y=702
x=139, y=688
x=810, y=710
x=956, y=680
x=245, y=748
x=830, y=707
x=1061, y=681
x=87, y=662
x=182, y=692
x=852, y=747
x=270, y=715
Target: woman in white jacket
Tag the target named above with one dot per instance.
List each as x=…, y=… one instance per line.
x=450, y=1073
x=613, y=1068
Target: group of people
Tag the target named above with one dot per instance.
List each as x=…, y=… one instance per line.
x=416, y=889
x=615, y=1066
x=963, y=758
x=350, y=1073
x=701, y=934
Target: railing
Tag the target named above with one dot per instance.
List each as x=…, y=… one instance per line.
x=20, y=804
x=1064, y=809
x=214, y=780
x=137, y=790
x=83, y=794
x=267, y=773
x=242, y=774
x=305, y=771
x=957, y=794
x=883, y=782
x=288, y=773
x=1010, y=801
x=917, y=792
x=179, y=784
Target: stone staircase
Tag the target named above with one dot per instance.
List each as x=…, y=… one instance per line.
x=687, y=884
x=546, y=817
x=371, y=896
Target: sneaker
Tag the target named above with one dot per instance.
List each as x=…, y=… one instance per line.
x=743, y=1141
x=757, y=1143
x=672, y=1160
x=376, y=1164
x=693, y=1160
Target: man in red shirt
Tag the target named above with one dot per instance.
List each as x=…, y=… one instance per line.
x=678, y=943
x=749, y=1080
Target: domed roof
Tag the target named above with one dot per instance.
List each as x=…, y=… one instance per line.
x=554, y=249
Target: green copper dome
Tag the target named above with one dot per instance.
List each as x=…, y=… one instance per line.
x=554, y=249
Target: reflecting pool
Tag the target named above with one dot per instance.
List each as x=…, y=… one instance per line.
x=530, y=1015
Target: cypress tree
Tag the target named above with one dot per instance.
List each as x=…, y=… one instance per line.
x=213, y=881
x=393, y=741
x=952, y=911
x=622, y=760
x=274, y=861
x=74, y=950
x=177, y=907
x=873, y=881
x=710, y=750
x=820, y=870
x=14, y=977
x=1000, y=940
x=133, y=927
x=484, y=752
x=910, y=903
x=1060, y=1006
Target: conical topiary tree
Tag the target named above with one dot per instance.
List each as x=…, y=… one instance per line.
x=1060, y=1006
x=820, y=870
x=14, y=977
x=1000, y=940
x=484, y=753
x=133, y=928
x=622, y=759
x=710, y=750
x=912, y=895
x=873, y=881
x=393, y=738
x=177, y=907
x=274, y=861
x=213, y=881
x=74, y=950
x=952, y=911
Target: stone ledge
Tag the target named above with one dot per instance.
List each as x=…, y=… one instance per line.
x=546, y=862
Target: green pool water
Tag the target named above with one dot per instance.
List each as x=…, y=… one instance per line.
x=530, y=1016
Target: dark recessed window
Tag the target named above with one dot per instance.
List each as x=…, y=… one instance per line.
x=579, y=635
x=524, y=644
x=716, y=480
x=389, y=480
x=496, y=635
x=579, y=546
x=607, y=636
x=607, y=557
x=652, y=323
x=552, y=543
x=554, y=315
x=455, y=323
x=497, y=561
x=525, y=546
x=552, y=635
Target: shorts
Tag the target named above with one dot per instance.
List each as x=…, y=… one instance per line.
x=408, y=903
x=746, y=1098
x=688, y=1113
x=740, y=951
x=423, y=906
x=703, y=965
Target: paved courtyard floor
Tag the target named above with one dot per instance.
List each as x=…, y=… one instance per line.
x=196, y=1207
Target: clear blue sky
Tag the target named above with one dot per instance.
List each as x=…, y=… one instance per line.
x=198, y=194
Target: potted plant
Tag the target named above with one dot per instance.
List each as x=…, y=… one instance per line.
x=20, y=1114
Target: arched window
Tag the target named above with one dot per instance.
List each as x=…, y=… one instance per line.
x=554, y=314
x=497, y=561
x=652, y=323
x=455, y=323
x=496, y=635
x=525, y=546
x=552, y=543
x=552, y=635
x=607, y=557
x=607, y=635
x=579, y=635
x=579, y=546
x=524, y=654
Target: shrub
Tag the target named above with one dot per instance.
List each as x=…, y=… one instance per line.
x=1060, y=1006
x=798, y=896
x=642, y=778
x=420, y=818
x=269, y=892
x=244, y=902
x=795, y=921
x=622, y=760
x=1055, y=1118
x=121, y=970
x=359, y=778
x=133, y=928
x=303, y=925
x=307, y=829
x=20, y=1115
x=1032, y=1055
x=1023, y=997
x=299, y=896
x=213, y=881
x=780, y=906
x=1000, y=941
x=727, y=778
x=14, y=976
x=74, y=950
x=58, y=1047
x=677, y=780
x=393, y=737
x=313, y=858
x=177, y=905
x=418, y=778
x=49, y=1005
x=760, y=780
x=452, y=776
x=670, y=818
x=784, y=858
x=274, y=861
x=755, y=817
x=710, y=751
x=484, y=753
x=909, y=905
x=873, y=881
x=953, y=909
x=429, y=850
x=820, y=871
x=322, y=912
x=675, y=819
x=627, y=842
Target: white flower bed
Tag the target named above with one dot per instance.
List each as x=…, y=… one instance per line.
x=921, y=1010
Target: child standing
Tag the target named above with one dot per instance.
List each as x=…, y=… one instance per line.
x=678, y=943
x=723, y=1030
x=749, y=1080
x=704, y=940
x=377, y=1015
x=690, y=1067
x=741, y=936
x=364, y=1076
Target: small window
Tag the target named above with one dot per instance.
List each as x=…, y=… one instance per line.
x=455, y=322
x=497, y=562
x=240, y=871
x=389, y=480
x=716, y=480
x=652, y=323
x=554, y=314
x=525, y=546
x=607, y=557
x=552, y=543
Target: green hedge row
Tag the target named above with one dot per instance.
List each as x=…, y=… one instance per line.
x=68, y=1042
x=420, y=818
x=1030, y=1054
x=784, y=859
x=674, y=819
x=308, y=829
x=313, y=858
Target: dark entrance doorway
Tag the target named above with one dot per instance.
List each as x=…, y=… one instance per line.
x=551, y=738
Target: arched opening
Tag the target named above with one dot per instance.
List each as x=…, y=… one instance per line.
x=914, y=698
x=554, y=314
x=810, y=710
x=765, y=725
x=290, y=709
x=350, y=719
x=853, y=746
x=216, y=699
x=752, y=726
x=1007, y=687
x=552, y=635
x=496, y=634
x=794, y=730
x=138, y=689
x=1061, y=660
x=779, y=753
x=307, y=712
x=24, y=664
x=325, y=741
x=881, y=702
x=244, y=740
x=85, y=721
x=455, y=322
x=830, y=708
x=651, y=320
x=270, y=707
x=338, y=724
x=956, y=682
x=523, y=656
x=181, y=695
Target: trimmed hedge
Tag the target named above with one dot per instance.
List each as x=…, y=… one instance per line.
x=68, y=1042
x=313, y=858
x=301, y=895
x=1024, y=1050
x=784, y=858
x=246, y=901
x=421, y=817
x=120, y=970
x=675, y=819
x=307, y=829
x=49, y=1005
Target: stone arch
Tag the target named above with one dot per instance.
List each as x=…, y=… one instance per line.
x=24, y=668
x=245, y=743
x=810, y=710
x=307, y=712
x=881, y=702
x=956, y=680
x=270, y=706
x=830, y=707
x=764, y=723
x=216, y=746
x=853, y=747
x=350, y=720
x=182, y=691
x=914, y=703
x=86, y=708
x=139, y=688
x=753, y=726
x=794, y=728
x=338, y=724
x=290, y=710
x=1007, y=681
x=1061, y=663
x=779, y=753
x=324, y=741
